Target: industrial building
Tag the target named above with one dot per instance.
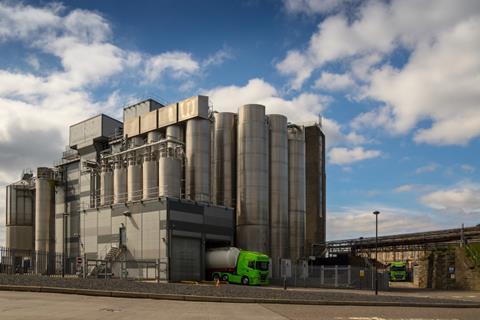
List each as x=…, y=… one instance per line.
x=171, y=181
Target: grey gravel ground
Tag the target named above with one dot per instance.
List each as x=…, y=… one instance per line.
x=209, y=290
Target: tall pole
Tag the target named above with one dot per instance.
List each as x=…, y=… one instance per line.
x=376, y=213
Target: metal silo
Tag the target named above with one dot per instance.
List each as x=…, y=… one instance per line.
x=252, y=179
x=296, y=190
x=197, y=160
x=278, y=178
x=174, y=132
x=119, y=180
x=44, y=219
x=150, y=167
x=224, y=159
x=169, y=176
x=134, y=171
x=20, y=208
x=106, y=184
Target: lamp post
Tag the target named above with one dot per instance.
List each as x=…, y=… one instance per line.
x=376, y=213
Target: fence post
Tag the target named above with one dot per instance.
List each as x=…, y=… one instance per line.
x=85, y=265
x=336, y=276
x=349, y=275
x=322, y=275
x=157, y=269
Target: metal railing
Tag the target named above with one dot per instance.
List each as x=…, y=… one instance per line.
x=336, y=276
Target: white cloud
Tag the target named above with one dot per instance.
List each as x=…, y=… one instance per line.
x=311, y=6
x=176, y=64
x=468, y=168
x=439, y=81
x=218, y=58
x=427, y=168
x=304, y=107
x=342, y=156
x=463, y=198
x=404, y=188
x=358, y=221
x=334, y=82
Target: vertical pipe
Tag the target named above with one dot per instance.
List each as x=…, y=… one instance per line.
x=252, y=179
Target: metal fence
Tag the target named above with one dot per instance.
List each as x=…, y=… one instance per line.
x=313, y=276
x=29, y=262
x=14, y=261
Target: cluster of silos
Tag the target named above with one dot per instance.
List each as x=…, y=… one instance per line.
x=248, y=160
x=259, y=168
x=166, y=151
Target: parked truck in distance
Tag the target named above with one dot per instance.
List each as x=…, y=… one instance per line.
x=398, y=271
x=237, y=266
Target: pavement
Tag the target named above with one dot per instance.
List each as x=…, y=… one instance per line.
x=223, y=293
x=51, y=306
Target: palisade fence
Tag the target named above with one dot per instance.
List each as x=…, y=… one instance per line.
x=318, y=276
x=27, y=262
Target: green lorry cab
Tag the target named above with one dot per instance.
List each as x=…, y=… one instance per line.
x=398, y=271
x=237, y=266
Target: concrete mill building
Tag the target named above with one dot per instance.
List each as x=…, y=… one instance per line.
x=171, y=181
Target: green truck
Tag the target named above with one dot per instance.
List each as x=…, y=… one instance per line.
x=398, y=271
x=237, y=266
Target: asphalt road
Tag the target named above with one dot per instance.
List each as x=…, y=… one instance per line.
x=38, y=306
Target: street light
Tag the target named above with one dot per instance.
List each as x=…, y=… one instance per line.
x=376, y=213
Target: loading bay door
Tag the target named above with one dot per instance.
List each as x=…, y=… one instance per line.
x=186, y=259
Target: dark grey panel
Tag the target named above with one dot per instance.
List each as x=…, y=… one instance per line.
x=183, y=206
x=186, y=261
x=194, y=227
x=106, y=238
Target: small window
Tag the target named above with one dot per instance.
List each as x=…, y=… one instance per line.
x=251, y=264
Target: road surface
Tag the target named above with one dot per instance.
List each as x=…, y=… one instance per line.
x=51, y=306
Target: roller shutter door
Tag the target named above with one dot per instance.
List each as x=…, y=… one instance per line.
x=186, y=259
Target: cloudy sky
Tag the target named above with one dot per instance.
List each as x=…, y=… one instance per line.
x=397, y=84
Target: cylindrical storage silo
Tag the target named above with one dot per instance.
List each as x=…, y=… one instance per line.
x=44, y=220
x=150, y=175
x=224, y=159
x=174, y=132
x=296, y=191
x=252, y=179
x=169, y=177
x=106, y=185
x=197, y=160
x=20, y=208
x=134, y=171
x=119, y=181
x=278, y=178
x=134, y=177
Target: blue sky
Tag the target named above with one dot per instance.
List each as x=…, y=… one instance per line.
x=397, y=84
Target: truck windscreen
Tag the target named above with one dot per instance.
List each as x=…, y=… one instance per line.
x=261, y=265
x=394, y=268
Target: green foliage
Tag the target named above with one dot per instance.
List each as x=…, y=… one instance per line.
x=473, y=253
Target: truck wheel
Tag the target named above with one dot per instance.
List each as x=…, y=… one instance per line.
x=216, y=277
x=245, y=281
x=225, y=277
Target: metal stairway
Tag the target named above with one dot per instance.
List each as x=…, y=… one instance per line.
x=102, y=269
